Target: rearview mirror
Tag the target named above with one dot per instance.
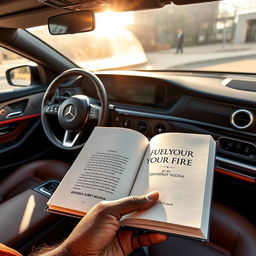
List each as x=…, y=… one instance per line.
x=70, y=23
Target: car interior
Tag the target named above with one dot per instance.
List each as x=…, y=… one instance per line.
x=38, y=144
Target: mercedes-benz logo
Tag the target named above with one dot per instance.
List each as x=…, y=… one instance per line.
x=69, y=112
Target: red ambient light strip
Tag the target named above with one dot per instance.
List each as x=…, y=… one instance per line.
x=19, y=119
x=236, y=175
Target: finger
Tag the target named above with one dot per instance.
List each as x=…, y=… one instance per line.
x=130, y=204
x=147, y=240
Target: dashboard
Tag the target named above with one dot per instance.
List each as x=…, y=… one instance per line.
x=157, y=102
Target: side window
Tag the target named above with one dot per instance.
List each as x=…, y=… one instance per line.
x=20, y=76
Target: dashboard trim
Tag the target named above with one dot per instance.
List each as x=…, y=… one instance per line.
x=178, y=119
x=248, y=167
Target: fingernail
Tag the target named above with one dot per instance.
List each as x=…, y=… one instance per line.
x=152, y=196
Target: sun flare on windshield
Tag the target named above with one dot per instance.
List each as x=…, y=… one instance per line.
x=109, y=20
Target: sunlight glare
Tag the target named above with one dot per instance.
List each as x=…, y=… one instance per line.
x=111, y=21
x=28, y=213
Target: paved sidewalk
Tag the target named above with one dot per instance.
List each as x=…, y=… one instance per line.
x=199, y=55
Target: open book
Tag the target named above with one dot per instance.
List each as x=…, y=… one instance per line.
x=118, y=162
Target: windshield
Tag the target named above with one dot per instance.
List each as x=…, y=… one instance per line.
x=216, y=36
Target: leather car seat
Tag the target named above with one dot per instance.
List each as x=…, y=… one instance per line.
x=31, y=174
x=230, y=235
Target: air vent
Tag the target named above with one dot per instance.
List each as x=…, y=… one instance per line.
x=243, y=148
x=126, y=123
x=159, y=128
x=142, y=127
x=242, y=119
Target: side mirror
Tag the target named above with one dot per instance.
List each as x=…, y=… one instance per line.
x=22, y=76
x=70, y=23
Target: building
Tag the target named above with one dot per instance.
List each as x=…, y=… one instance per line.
x=245, y=28
x=157, y=29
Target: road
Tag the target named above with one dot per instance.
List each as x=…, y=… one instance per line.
x=235, y=66
x=204, y=57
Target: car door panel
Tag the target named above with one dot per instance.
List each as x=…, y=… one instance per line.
x=20, y=109
x=21, y=134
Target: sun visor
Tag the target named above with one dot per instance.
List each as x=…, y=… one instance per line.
x=101, y=5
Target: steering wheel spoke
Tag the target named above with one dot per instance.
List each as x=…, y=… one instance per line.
x=70, y=138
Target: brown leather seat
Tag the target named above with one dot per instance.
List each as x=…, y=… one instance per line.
x=30, y=175
x=230, y=235
x=19, y=204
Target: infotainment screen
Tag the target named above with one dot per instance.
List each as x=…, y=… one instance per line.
x=135, y=91
x=145, y=94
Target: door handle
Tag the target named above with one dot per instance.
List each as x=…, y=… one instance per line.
x=13, y=114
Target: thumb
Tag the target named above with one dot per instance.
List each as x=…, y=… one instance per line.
x=130, y=204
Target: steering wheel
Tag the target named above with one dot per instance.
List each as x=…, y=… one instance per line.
x=75, y=112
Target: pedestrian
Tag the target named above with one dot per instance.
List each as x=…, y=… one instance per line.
x=180, y=41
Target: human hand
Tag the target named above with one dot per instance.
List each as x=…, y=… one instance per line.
x=99, y=233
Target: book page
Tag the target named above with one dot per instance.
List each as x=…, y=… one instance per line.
x=105, y=169
x=175, y=165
